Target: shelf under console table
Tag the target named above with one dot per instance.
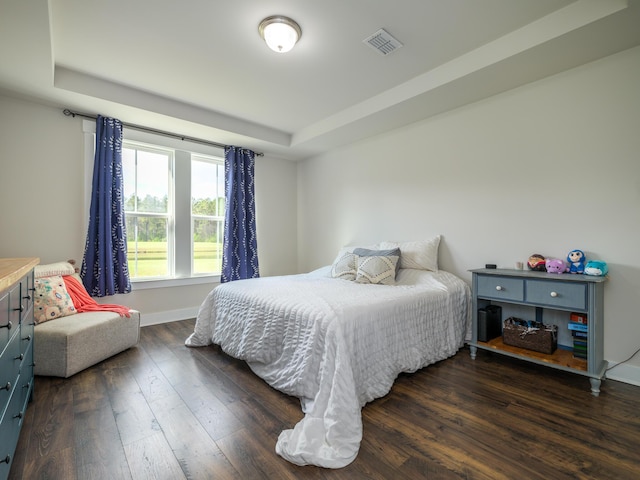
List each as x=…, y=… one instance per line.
x=545, y=293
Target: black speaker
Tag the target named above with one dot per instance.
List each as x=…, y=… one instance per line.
x=489, y=322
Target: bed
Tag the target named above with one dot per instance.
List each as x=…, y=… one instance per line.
x=336, y=344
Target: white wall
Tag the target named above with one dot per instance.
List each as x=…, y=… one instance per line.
x=546, y=168
x=42, y=211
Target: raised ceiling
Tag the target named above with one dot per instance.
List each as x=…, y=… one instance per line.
x=199, y=67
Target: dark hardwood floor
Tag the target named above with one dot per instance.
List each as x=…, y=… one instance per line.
x=164, y=411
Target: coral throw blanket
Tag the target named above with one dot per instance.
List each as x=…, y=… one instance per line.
x=84, y=303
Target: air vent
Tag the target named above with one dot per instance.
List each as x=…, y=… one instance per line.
x=382, y=42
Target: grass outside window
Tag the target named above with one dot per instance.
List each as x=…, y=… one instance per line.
x=151, y=259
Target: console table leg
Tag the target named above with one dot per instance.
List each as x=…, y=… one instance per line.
x=473, y=351
x=595, y=386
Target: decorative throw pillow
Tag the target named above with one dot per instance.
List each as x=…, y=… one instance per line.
x=345, y=266
x=420, y=255
x=377, y=269
x=50, y=269
x=366, y=252
x=51, y=299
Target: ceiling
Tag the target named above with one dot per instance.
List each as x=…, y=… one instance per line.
x=199, y=68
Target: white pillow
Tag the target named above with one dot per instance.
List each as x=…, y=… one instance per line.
x=420, y=254
x=51, y=269
x=377, y=269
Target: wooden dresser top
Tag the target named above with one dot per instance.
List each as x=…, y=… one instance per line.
x=13, y=269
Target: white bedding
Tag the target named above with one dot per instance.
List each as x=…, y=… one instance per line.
x=335, y=344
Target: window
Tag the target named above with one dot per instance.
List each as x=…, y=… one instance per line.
x=148, y=206
x=174, y=209
x=207, y=214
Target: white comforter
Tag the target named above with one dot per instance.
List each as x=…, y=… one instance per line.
x=335, y=344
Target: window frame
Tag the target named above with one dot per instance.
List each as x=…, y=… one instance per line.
x=182, y=179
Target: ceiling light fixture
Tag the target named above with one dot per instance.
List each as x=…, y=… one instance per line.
x=280, y=33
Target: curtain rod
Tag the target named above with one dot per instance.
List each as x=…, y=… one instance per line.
x=70, y=113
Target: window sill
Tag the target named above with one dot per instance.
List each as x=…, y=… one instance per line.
x=173, y=282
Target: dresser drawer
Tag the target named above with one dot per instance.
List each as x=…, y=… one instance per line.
x=26, y=294
x=5, y=330
x=9, y=367
x=26, y=353
x=501, y=288
x=15, y=306
x=26, y=333
x=10, y=424
x=568, y=295
x=26, y=378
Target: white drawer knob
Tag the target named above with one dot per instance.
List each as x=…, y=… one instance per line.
x=554, y=294
x=499, y=288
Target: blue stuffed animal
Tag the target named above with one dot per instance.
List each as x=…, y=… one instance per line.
x=596, y=268
x=576, y=261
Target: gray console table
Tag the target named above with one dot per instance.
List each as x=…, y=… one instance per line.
x=545, y=291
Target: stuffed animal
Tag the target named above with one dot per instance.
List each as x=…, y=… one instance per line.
x=536, y=263
x=597, y=268
x=556, y=265
x=576, y=261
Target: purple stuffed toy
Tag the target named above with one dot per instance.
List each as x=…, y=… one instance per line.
x=576, y=259
x=556, y=265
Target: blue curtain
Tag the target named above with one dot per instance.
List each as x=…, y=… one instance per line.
x=240, y=250
x=104, y=266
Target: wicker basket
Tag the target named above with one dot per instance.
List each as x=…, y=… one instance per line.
x=530, y=335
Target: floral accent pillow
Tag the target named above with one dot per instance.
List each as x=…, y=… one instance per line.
x=51, y=299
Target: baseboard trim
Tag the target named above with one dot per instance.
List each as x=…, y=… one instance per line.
x=624, y=373
x=147, y=319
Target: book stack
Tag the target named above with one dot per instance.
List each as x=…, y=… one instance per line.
x=580, y=333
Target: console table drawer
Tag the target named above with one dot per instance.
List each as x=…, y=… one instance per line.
x=501, y=288
x=557, y=294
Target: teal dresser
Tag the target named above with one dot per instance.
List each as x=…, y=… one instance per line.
x=16, y=352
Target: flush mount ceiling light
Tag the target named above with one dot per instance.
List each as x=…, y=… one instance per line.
x=280, y=33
